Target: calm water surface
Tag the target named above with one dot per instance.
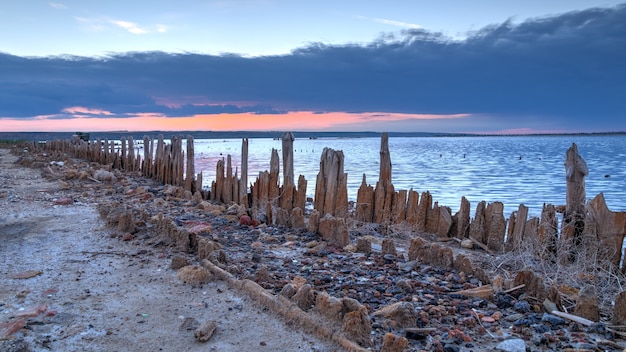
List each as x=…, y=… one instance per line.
x=525, y=170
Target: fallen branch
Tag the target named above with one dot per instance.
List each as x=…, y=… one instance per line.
x=423, y=331
x=514, y=288
x=481, y=245
x=482, y=292
x=572, y=317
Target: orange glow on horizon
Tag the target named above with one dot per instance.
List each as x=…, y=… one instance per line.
x=295, y=121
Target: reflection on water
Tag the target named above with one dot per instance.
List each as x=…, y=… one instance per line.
x=527, y=170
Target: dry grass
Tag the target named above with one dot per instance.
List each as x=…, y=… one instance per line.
x=569, y=267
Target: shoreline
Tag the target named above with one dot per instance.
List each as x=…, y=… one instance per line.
x=116, y=135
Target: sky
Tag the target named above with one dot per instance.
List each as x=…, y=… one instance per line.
x=485, y=66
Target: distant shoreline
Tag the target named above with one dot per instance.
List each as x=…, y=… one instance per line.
x=116, y=135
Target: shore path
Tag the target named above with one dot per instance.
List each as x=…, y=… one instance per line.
x=67, y=285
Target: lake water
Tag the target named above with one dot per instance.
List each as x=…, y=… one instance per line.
x=525, y=170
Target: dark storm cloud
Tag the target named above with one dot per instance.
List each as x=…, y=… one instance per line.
x=569, y=68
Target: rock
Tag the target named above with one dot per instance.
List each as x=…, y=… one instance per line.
x=245, y=220
x=304, y=298
x=402, y=313
x=63, y=201
x=619, y=313
x=103, y=175
x=552, y=319
x=178, y=262
x=14, y=345
x=512, y=345
x=404, y=284
x=522, y=306
x=587, y=304
x=189, y=323
x=393, y=343
x=127, y=236
x=26, y=274
x=467, y=243
x=205, y=331
x=194, y=275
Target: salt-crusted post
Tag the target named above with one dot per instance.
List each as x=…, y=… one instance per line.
x=190, y=172
x=147, y=156
x=131, y=154
x=574, y=217
x=286, y=198
x=606, y=227
x=243, y=183
x=365, y=202
x=463, y=219
x=331, y=192
x=517, y=223
x=547, y=233
x=384, y=189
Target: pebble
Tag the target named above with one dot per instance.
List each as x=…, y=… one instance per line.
x=512, y=345
x=460, y=323
x=552, y=320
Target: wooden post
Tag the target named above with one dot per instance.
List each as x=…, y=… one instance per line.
x=227, y=192
x=463, y=219
x=131, y=154
x=365, y=202
x=286, y=197
x=383, y=194
x=573, y=219
x=243, y=183
x=190, y=172
x=328, y=199
x=608, y=228
x=425, y=204
x=274, y=190
x=514, y=241
x=495, y=226
x=219, y=181
x=384, y=176
x=300, y=199
x=412, y=206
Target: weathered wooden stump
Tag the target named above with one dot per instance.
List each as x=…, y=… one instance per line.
x=606, y=227
x=573, y=219
x=331, y=190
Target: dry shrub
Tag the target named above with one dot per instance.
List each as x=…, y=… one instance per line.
x=570, y=267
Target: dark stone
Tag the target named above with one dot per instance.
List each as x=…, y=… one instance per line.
x=553, y=319
x=522, y=306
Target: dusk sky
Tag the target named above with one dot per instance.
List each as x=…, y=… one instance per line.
x=484, y=66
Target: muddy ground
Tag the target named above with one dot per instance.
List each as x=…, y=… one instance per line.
x=67, y=285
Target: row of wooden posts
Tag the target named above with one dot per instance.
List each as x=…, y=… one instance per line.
x=381, y=204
